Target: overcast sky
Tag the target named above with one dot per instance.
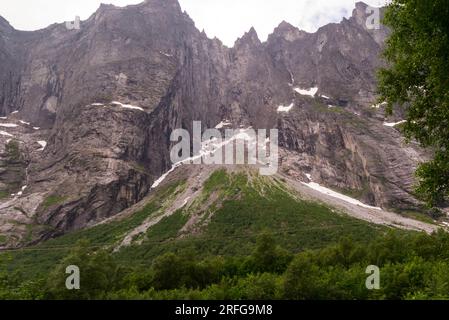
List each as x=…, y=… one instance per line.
x=225, y=19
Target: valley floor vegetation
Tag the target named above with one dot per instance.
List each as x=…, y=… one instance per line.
x=412, y=266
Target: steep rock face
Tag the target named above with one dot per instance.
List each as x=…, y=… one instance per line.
x=257, y=86
x=95, y=166
x=111, y=93
x=103, y=157
x=117, y=53
x=339, y=59
x=350, y=154
x=9, y=68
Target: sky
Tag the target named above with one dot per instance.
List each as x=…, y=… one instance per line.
x=224, y=19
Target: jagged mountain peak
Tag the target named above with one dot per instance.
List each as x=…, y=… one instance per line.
x=361, y=5
x=288, y=32
x=249, y=37
x=284, y=25
x=361, y=13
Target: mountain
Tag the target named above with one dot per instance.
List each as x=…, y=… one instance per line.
x=87, y=114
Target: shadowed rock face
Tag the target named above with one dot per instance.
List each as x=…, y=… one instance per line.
x=102, y=157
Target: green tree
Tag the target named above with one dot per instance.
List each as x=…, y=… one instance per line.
x=98, y=275
x=417, y=53
x=268, y=257
x=173, y=271
x=302, y=279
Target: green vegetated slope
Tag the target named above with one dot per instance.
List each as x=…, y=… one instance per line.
x=244, y=205
x=243, y=237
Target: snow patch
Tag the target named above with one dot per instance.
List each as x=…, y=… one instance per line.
x=162, y=178
x=166, y=54
x=36, y=128
x=285, y=108
x=127, y=106
x=325, y=97
x=332, y=193
x=24, y=122
x=6, y=134
x=377, y=106
x=97, y=104
x=8, y=125
x=185, y=202
x=43, y=144
x=14, y=112
x=394, y=124
x=222, y=124
x=307, y=92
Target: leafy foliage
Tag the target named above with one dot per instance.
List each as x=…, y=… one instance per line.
x=413, y=266
x=417, y=53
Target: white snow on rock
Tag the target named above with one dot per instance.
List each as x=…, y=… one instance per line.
x=20, y=193
x=14, y=112
x=222, y=124
x=185, y=202
x=3, y=118
x=317, y=187
x=307, y=92
x=207, y=148
x=166, y=54
x=325, y=97
x=8, y=125
x=127, y=106
x=43, y=144
x=6, y=134
x=162, y=178
x=285, y=108
x=24, y=122
x=36, y=128
x=377, y=106
x=97, y=104
x=394, y=124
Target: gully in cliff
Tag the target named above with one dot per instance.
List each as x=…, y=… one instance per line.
x=238, y=146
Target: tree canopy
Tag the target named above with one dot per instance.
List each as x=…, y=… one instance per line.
x=417, y=76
